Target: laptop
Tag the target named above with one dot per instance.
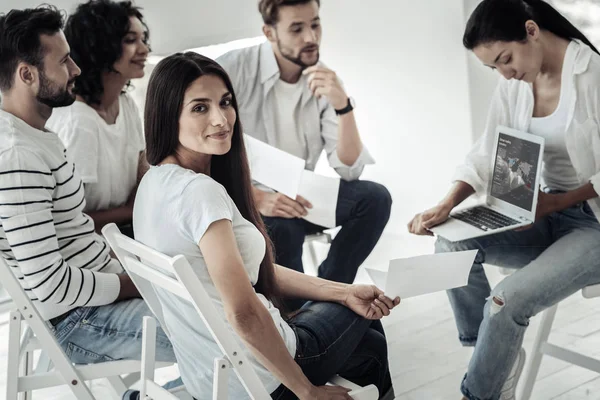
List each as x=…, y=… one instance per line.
x=511, y=200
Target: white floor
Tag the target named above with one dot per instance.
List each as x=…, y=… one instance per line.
x=426, y=360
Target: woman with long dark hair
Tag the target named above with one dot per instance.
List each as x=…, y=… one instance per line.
x=102, y=130
x=196, y=200
x=550, y=88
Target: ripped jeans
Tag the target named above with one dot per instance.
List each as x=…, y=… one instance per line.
x=556, y=257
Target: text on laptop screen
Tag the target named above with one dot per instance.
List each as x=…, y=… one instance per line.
x=515, y=170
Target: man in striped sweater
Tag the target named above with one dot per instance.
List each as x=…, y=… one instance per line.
x=50, y=244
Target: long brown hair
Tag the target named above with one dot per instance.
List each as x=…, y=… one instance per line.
x=166, y=89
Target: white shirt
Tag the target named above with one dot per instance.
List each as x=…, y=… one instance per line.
x=558, y=171
x=106, y=155
x=512, y=106
x=173, y=209
x=287, y=104
x=254, y=72
x=45, y=237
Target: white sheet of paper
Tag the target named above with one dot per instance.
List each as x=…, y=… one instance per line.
x=274, y=168
x=410, y=277
x=322, y=192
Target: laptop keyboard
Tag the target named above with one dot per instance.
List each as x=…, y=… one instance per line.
x=484, y=218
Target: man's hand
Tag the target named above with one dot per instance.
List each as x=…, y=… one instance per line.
x=324, y=82
x=128, y=289
x=279, y=205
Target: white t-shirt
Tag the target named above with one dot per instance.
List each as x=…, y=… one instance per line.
x=289, y=137
x=106, y=156
x=558, y=171
x=173, y=209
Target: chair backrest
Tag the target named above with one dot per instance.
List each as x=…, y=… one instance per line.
x=149, y=268
x=42, y=332
x=20, y=298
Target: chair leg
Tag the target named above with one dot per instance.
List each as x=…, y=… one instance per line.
x=26, y=369
x=118, y=385
x=14, y=345
x=131, y=379
x=313, y=258
x=26, y=361
x=44, y=364
x=221, y=378
x=537, y=352
x=148, y=354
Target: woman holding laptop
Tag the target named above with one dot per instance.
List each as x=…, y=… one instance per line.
x=550, y=88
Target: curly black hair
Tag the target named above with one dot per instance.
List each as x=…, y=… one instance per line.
x=20, y=32
x=95, y=32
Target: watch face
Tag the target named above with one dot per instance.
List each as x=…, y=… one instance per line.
x=352, y=103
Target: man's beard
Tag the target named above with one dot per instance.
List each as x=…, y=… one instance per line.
x=288, y=55
x=52, y=96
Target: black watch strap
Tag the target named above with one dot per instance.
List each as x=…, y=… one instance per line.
x=346, y=109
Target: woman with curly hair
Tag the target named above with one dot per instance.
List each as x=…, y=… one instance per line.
x=102, y=130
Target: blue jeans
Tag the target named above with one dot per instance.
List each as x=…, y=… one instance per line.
x=333, y=340
x=556, y=257
x=91, y=335
x=363, y=210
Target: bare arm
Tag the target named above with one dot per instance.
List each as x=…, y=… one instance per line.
x=422, y=222
x=459, y=192
x=291, y=283
x=324, y=82
x=123, y=214
x=349, y=143
x=550, y=203
x=119, y=215
x=569, y=199
x=244, y=311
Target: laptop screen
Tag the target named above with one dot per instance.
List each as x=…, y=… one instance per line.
x=515, y=170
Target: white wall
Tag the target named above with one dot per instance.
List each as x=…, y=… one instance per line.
x=404, y=64
x=181, y=24
x=482, y=82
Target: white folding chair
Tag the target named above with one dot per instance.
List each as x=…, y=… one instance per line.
x=148, y=268
x=309, y=242
x=541, y=347
x=5, y=301
x=55, y=368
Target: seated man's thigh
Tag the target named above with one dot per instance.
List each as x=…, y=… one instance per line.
x=110, y=332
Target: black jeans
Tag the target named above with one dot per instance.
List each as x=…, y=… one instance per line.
x=333, y=340
x=363, y=210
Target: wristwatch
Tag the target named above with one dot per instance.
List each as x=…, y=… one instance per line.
x=346, y=109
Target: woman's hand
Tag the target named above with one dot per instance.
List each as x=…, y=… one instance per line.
x=369, y=302
x=327, y=393
x=547, y=204
x=421, y=223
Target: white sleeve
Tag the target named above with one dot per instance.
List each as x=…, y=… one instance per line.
x=80, y=137
x=133, y=114
x=477, y=166
x=203, y=201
